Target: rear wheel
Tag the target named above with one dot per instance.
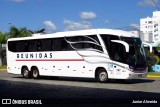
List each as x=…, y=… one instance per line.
x=102, y=75
x=35, y=73
x=25, y=72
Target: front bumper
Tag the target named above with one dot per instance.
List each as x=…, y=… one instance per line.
x=133, y=75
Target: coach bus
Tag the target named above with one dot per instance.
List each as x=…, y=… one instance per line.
x=95, y=53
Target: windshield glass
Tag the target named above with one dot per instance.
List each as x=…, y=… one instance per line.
x=136, y=56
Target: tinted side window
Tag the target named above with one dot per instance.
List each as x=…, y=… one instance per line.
x=52, y=44
x=32, y=45
x=65, y=46
x=60, y=44
x=46, y=44
x=56, y=44
x=97, y=40
x=94, y=37
x=107, y=40
x=18, y=46
x=12, y=46
x=115, y=50
x=85, y=42
x=39, y=45
x=117, y=53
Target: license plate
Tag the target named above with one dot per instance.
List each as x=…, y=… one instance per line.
x=139, y=75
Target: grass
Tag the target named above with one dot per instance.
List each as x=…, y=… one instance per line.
x=3, y=67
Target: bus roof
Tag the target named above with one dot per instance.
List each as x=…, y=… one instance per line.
x=78, y=33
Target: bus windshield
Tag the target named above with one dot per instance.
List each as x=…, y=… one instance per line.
x=135, y=58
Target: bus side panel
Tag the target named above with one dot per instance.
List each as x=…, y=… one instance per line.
x=68, y=64
x=12, y=66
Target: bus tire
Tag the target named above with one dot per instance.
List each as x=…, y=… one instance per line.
x=35, y=73
x=25, y=72
x=102, y=75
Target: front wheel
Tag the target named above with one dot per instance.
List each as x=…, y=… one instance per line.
x=35, y=73
x=102, y=75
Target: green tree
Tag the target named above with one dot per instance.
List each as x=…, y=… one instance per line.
x=2, y=38
x=152, y=59
x=37, y=31
x=19, y=32
x=2, y=41
x=158, y=47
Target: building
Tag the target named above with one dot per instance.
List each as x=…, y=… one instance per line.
x=150, y=29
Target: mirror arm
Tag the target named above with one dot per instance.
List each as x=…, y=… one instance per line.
x=150, y=46
x=122, y=42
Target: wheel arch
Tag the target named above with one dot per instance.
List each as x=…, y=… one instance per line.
x=24, y=66
x=97, y=69
x=34, y=67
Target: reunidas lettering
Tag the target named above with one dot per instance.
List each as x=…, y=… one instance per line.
x=34, y=55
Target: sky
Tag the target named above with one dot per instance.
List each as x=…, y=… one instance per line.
x=64, y=15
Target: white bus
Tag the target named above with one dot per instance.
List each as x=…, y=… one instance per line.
x=96, y=53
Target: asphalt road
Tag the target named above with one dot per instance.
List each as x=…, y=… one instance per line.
x=78, y=90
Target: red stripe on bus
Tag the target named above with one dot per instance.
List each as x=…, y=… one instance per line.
x=49, y=59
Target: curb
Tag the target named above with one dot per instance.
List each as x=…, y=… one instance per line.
x=3, y=69
x=152, y=76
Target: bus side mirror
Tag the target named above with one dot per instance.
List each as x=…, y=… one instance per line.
x=150, y=46
x=123, y=43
